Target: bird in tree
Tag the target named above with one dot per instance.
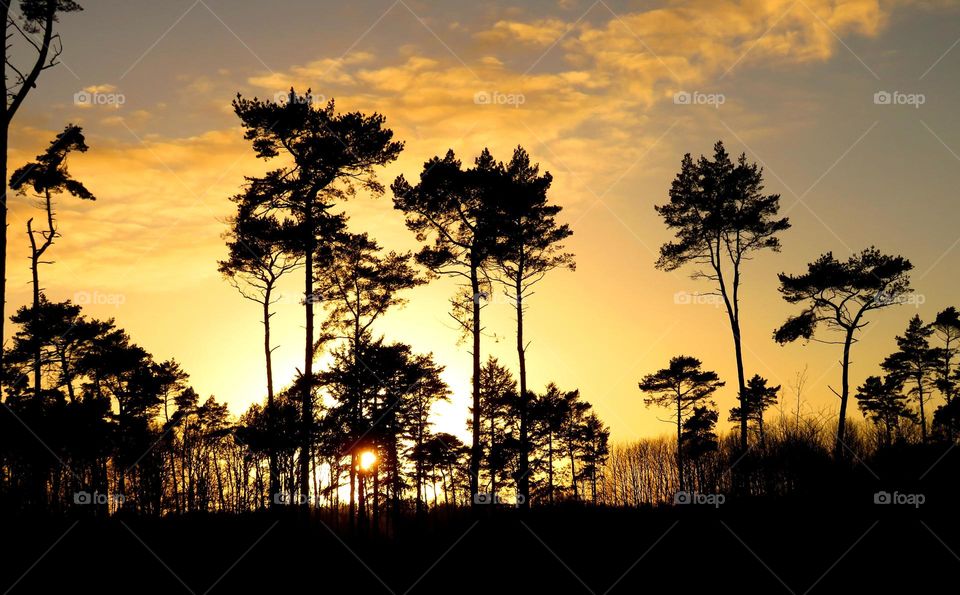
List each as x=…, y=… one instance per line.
x=48, y=177
x=760, y=397
x=839, y=295
x=449, y=210
x=528, y=246
x=681, y=386
x=882, y=402
x=327, y=156
x=915, y=363
x=721, y=218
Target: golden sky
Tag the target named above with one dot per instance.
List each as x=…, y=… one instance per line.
x=590, y=89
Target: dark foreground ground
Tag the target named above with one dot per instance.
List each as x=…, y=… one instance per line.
x=755, y=547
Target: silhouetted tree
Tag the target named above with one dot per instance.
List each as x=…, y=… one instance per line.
x=916, y=363
x=498, y=418
x=452, y=206
x=946, y=328
x=681, y=386
x=595, y=449
x=551, y=412
x=946, y=419
x=125, y=373
x=330, y=156
x=34, y=27
x=529, y=245
x=173, y=383
x=257, y=258
x=881, y=401
x=721, y=217
x=416, y=416
x=358, y=284
x=839, y=295
x=571, y=434
x=48, y=176
x=760, y=397
x=698, y=438
x=441, y=455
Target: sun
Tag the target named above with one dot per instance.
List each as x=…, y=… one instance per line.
x=368, y=459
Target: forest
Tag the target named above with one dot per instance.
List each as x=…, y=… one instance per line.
x=97, y=432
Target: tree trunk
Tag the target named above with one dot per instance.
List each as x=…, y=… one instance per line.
x=573, y=472
x=34, y=265
x=680, y=443
x=741, y=383
x=268, y=357
x=307, y=396
x=376, y=496
x=550, y=467
x=475, y=450
x=844, y=393
x=923, y=416
x=4, y=139
x=352, y=506
x=524, y=470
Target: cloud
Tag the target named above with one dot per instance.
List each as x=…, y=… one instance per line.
x=542, y=32
x=331, y=71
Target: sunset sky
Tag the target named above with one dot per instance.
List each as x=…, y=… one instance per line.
x=589, y=89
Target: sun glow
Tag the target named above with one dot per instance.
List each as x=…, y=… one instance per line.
x=368, y=459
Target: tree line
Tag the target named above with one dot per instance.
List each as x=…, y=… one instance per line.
x=721, y=217
x=86, y=411
x=356, y=434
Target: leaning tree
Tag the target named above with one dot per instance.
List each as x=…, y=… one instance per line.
x=47, y=177
x=839, y=295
